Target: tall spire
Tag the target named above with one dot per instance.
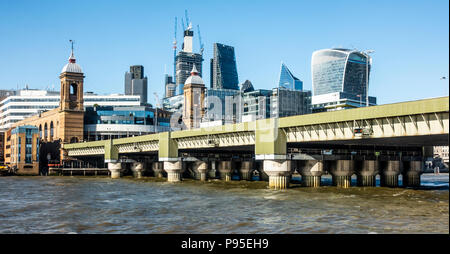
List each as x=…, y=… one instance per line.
x=72, y=57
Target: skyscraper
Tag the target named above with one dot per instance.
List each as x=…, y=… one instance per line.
x=339, y=70
x=186, y=59
x=170, y=86
x=288, y=80
x=223, y=68
x=339, y=79
x=136, y=83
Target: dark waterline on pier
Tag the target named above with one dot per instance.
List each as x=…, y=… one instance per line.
x=149, y=205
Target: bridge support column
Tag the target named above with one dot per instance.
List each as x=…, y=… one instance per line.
x=173, y=169
x=389, y=175
x=225, y=170
x=262, y=174
x=279, y=172
x=158, y=168
x=411, y=178
x=137, y=168
x=246, y=169
x=311, y=173
x=115, y=169
x=342, y=171
x=201, y=167
x=366, y=175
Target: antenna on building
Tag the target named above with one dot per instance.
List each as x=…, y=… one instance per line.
x=200, y=40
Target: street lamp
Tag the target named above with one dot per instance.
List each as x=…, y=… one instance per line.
x=368, y=58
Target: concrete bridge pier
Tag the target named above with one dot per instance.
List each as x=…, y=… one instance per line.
x=137, y=168
x=246, y=169
x=411, y=178
x=389, y=174
x=262, y=174
x=158, y=168
x=115, y=168
x=366, y=175
x=212, y=170
x=173, y=169
x=311, y=172
x=201, y=167
x=225, y=170
x=342, y=171
x=279, y=172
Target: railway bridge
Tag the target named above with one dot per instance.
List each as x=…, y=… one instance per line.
x=388, y=140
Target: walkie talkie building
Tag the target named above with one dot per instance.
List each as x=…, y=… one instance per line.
x=339, y=78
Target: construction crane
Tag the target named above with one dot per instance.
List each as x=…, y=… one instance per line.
x=187, y=18
x=175, y=51
x=182, y=25
x=200, y=40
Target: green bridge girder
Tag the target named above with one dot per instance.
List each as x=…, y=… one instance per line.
x=270, y=136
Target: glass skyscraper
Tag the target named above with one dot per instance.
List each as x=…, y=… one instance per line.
x=339, y=70
x=288, y=80
x=223, y=68
x=339, y=79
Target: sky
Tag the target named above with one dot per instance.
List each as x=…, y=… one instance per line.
x=410, y=40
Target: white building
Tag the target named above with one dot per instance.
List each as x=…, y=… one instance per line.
x=28, y=102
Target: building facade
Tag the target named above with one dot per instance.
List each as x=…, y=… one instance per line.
x=170, y=86
x=185, y=61
x=109, y=122
x=24, y=150
x=288, y=80
x=255, y=105
x=194, y=100
x=27, y=103
x=286, y=102
x=338, y=77
x=223, y=68
x=136, y=83
x=219, y=105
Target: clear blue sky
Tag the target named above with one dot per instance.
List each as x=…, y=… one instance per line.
x=410, y=39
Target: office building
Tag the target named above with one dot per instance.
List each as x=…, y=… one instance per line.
x=136, y=83
x=255, y=105
x=170, y=86
x=23, y=150
x=30, y=102
x=288, y=80
x=285, y=102
x=109, y=122
x=219, y=106
x=339, y=79
x=185, y=61
x=223, y=68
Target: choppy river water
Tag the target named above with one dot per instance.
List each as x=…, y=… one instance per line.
x=148, y=205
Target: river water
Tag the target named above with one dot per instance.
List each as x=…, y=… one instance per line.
x=149, y=205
